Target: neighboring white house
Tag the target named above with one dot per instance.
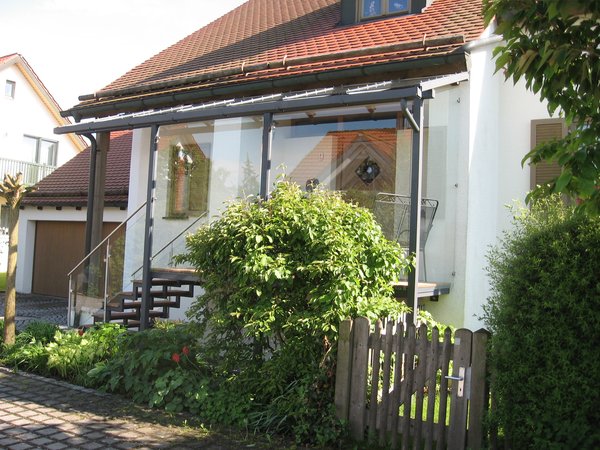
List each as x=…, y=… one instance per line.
x=52, y=221
x=28, y=116
x=252, y=91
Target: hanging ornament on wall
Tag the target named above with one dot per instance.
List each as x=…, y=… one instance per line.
x=368, y=170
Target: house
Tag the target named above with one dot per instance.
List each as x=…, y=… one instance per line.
x=28, y=116
x=366, y=95
x=52, y=221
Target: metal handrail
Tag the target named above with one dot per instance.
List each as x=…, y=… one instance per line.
x=172, y=240
x=106, y=239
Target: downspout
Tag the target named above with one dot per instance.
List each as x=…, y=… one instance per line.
x=90, y=197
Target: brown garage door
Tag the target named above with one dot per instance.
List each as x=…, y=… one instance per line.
x=59, y=246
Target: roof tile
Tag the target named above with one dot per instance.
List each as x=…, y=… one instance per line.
x=267, y=31
x=68, y=184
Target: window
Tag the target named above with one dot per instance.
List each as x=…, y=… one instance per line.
x=376, y=8
x=189, y=178
x=9, y=89
x=42, y=151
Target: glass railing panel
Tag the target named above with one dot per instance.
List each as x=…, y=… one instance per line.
x=98, y=280
x=87, y=289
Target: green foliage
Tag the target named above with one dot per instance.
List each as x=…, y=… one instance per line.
x=44, y=349
x=158, y=367
x=279, y=275
x=544, y=313
x=42, y=332
x=29, y=352
x=552, y=44
x=73, y=353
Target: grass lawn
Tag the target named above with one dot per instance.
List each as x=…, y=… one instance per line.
x=2, y=281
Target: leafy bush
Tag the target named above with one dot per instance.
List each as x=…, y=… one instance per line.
x=28, y=351
x=42, y=332
x=544, y=313
x=158, y=367
x=279, y=275
x=44, y=349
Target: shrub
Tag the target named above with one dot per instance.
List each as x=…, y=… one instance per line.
x=28, y=351
x=158, y=367
x=278, y=276
x=74, y=353
x=544, y=313
x=42, y=332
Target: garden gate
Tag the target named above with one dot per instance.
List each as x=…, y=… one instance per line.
x=402, y=387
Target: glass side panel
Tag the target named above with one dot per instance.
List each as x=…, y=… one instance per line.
x=200, y=167
x=361, y=151
x=366, y=152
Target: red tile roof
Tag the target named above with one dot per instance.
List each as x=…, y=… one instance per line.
x=68, y=184
x=6, y=58
x=268, y=39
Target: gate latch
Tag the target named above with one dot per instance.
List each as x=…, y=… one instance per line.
x=460, y=389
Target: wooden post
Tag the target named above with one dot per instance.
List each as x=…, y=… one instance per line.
x=447, y=347
x=376, y=346
x=343, y=371
x=407, y=388
x=387, y=370
x=458, y=408
x=432, y=367
x=358, y=382
x=479, y=389
x=103, y=140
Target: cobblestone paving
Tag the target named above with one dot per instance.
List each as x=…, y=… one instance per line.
x=41, y=413
x=31, y=307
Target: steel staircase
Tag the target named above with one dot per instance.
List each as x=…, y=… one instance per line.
x=169, y=285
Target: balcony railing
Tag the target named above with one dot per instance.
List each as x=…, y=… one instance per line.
x=32, y=172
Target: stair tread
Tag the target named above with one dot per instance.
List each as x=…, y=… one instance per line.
x=126, y=294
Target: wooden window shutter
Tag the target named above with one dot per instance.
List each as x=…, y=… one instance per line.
x=545, y=130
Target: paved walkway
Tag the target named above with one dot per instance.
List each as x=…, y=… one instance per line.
x=31, y=307
x=41, y=413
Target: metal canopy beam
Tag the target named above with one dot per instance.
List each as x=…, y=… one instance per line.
x=248, y=109
x=416, y=171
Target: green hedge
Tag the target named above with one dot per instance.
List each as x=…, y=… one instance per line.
x=544, y=313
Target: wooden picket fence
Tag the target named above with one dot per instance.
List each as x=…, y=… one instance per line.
x=397, y=387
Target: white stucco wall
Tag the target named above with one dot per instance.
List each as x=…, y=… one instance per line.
x=488, y=133
x=27, y=115
x=497, y=124
x=28, y=218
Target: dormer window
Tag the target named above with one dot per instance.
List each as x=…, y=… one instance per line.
x=376, y=8
x=355, y=11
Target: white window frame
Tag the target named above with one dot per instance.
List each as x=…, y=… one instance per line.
x=9, y=88
x=38, y=149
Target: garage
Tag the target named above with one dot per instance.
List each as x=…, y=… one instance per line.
x=59, y=246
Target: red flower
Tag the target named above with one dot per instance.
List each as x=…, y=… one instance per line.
x=175, y=357
x=185, y=350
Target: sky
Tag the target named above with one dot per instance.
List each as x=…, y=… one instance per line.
x=77, y=47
